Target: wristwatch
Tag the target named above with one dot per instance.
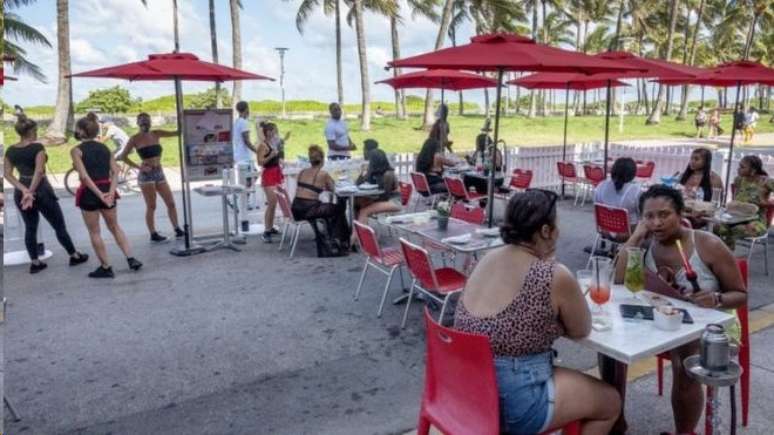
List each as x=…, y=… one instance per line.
x=718, y=299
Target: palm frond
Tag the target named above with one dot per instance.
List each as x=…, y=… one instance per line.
x=305, y=10
x=21, y=65
x=16, y=29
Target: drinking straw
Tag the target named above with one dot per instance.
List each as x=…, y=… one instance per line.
x=690, y=274
x=596, y=269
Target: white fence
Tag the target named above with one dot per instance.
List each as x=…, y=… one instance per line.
x=669, y=159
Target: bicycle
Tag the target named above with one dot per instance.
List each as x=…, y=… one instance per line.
x=127, y=179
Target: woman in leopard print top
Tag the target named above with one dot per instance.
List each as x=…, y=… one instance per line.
x=523, y=300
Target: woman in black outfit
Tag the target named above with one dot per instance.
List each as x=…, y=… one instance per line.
x=96, y=195
x=33, y=194
x=308, y=206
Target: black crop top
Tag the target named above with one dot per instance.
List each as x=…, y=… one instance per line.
x=23, y=158
x=149, y=151
x=96, y=158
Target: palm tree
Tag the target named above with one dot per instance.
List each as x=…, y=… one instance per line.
x=305, y=10
x=15, y=29
x=459, y=16
x=236, y=46
x=61, y=126
x=655, y=114
x=214, y=44
x=365, y=113
x=691, y=58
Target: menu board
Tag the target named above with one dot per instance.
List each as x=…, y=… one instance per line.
x=207, y=144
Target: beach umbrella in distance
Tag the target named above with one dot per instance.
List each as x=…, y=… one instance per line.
x=442, y=79
x=175, y=67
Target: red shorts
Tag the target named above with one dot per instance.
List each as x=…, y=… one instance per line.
x=272, y=176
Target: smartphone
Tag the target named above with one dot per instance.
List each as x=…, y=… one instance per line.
x=645, y=312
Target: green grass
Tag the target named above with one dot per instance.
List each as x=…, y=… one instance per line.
x=404, y=136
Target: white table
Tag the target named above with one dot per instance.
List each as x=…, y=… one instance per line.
x=631, y=340
x=628, y=341
x=223, y=191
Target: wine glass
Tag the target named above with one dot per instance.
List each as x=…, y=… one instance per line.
x=599, y=291
x=634, y=277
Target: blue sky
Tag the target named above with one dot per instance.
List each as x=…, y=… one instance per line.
x=108, y=32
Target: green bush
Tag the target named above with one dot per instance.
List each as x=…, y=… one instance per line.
x=110, y=100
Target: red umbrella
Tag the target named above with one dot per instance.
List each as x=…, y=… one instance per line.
x=650, y=68
x=440, y=79
x=176, y=67
x=508, y=52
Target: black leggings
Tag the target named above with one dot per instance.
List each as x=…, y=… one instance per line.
x=334, y=215
x=46, y=204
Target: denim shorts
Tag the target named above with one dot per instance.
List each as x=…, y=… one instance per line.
x=526, y=390
x=155, y=175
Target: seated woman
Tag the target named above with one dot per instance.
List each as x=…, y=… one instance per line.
x=523, y=300
x=308, y=206
x=483, y=152
x=718, y=277
x=620, y=190
x=753, y=186
x=430, y=162
x=383, y=175
x=698, y=181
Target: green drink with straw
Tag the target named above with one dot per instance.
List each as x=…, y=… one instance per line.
x=634, y=278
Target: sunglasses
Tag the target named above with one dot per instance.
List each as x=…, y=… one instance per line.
x=552, y=198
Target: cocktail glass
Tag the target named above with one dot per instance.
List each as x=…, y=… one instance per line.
x=634, y=277
x=599, y=292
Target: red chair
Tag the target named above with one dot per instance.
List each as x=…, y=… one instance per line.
x=422, y=187
x=612, y=224
x=473, y=215
x=406, y=189
x=762, y=240
x=593, y=176
x=520, y=179
x=744, y=353
x=385, y=260
x=569, y=175
x=460, y=395
x=457, y=190
x=289, y=223
x=645, y=171
x=436, y=284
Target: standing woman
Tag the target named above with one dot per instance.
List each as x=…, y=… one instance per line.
x=151, y=176
x=33, y=194
x=96, y=195
x=269, y=155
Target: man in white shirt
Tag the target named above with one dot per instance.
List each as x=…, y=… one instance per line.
x=337, y=135
x=114, y=133
x=243, y=160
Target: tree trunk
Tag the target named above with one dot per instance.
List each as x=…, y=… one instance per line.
x=532, y=95
x=365, y=114
x=61, y=126
x=443, y=29
x=175, y=26
x=400, y=109
x=214, y=44
x=236, y=48
x=339, y=79
x=750, y=36
x=615, y=44
x=655, y=114
x=517, y=109
x=453, y=34
x=692, y=55
x=639, y=97
x=544, y=106
x=487, y=104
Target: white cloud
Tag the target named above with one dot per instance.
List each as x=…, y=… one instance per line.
x=82, y=52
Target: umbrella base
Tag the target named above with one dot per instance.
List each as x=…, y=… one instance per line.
x=192, y=250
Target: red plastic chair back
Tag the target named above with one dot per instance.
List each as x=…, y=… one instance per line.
x=473, y=215
x=368, y=241
x=456, y=187
x=770, y=213
x=284, y=204
x=405, y=192
x=567, y=170
x=646, y=170
x=420, y=183
x=460, y=394
x=419, y=264
x=521, y=179
x=595, y=174
x=611, y=219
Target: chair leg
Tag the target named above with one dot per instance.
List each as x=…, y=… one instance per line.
x=744, y=382
x=750, y=251
x=362, y=278
x=284, y=233
x=408, y=303
x=423, y=428
x=443, y=308
x=400, y=271
x=660, y=375
x=708, y=411
x=295, y=240
x=386, y=290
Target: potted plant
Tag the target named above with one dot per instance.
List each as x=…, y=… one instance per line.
x=443, y=209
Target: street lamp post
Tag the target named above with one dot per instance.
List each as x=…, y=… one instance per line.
x=281, y=51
